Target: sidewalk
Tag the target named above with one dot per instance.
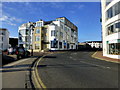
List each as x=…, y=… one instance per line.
x=8, y=59
x=99, y=55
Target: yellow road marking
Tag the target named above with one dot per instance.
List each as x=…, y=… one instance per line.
x=39, y=79
x=39, y=83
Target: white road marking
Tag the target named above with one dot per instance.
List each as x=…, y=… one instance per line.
x=95, y=65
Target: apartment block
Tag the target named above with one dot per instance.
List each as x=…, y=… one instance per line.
x=4, y=39
x=26, y=35
x=58, y=34
x=111, y=28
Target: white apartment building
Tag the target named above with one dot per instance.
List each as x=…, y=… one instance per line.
x=111, y=28
x=95, y=44
x=25, y=35
x=4, y=39
x=64, y=33
x=59, y=34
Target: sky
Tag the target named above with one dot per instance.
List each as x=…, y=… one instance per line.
x=85, y=15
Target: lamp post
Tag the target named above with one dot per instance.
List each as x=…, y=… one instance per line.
x=32, y=29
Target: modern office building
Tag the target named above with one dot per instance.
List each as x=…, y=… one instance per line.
x=111, y=28
x=25, y=35
x=4, y=39
x=58, y=34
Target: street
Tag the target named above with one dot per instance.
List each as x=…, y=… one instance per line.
x=62, y=70
x=77, y=70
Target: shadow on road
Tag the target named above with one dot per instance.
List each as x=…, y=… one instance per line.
x=24, y=67
x=65, y=65
x=50, y=57
x=7, y=59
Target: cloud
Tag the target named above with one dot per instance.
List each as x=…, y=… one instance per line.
x=56, y=5
x=80, y=6
x=10, y=20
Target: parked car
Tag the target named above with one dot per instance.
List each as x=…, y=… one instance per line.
x=10, y=50
x=22, y=53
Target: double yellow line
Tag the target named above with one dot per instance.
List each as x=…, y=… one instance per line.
x=37, y=80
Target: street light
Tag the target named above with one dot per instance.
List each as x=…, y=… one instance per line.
x=32, y=29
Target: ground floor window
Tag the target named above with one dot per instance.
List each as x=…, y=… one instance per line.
x=68, y=46
x=27, y=46
x=54, y=44
x=114, y=48
x=37, y=46
x=65, y=45
x=60, y=44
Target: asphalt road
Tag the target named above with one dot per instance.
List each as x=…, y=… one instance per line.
x=77, y=70
x=16, y=74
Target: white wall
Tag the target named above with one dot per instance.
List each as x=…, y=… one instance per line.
x=111, y=37
x=5, y=41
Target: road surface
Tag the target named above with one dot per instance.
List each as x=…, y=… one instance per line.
x=77, y=70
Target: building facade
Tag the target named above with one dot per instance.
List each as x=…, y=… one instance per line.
x=4, y=39
x=25, y=35
x=58, y=34
x=111, y=28
x=94, y=44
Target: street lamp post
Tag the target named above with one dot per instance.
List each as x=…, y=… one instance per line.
x=32, y=29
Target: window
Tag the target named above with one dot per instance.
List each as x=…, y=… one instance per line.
x=2, y=38
x=61, y=34
x=114, y=48
x=37, y=30
x=54, y=44
x=60, y=44
x=110, y=30
x=26, y=38
x=22, y=32
x=115, y=28
x=27, y=32
x=53, y=33
x=114, y=10
x=37, y=38
x=39, y=24
x=62, y=26
x=68, y=46
x=117, y=8
x=110, y=13
x=27, y=46
x=65, y=28
x=37, y=46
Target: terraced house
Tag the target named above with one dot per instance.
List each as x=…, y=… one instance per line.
x=59, y=34
x=111, y=28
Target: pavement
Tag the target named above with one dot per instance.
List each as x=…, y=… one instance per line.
x=6, y=59
x=99, y=55
x=16, y=74
x=77, y=70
